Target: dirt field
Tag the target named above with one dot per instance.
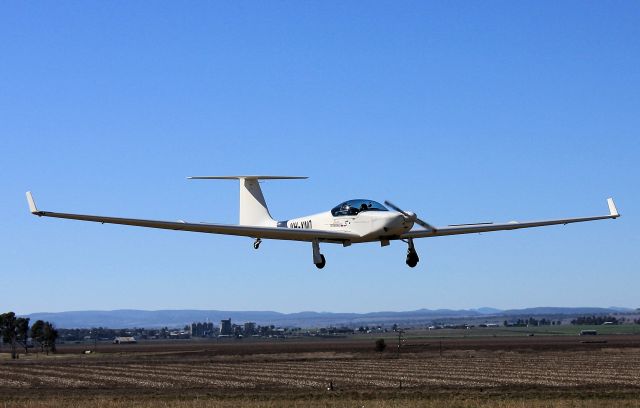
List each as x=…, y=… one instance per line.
x=558, y=371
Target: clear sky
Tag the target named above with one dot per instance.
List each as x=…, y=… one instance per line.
x=460, y=111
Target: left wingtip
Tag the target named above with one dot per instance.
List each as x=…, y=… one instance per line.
x=613, y=211
x=32, y=205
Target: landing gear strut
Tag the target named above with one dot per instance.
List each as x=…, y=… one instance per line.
x=412, y=255
x=257, y=243
x=318, y=258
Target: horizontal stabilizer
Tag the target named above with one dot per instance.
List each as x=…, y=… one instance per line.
x=246, y=177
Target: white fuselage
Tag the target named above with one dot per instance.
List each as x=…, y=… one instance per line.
x=368, y=226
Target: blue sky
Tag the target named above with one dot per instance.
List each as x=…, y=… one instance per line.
x=461, y=112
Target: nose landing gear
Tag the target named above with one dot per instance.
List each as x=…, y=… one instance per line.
x=412, y=255
x=256, y=243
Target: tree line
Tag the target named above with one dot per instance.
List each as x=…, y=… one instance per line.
x=596, y=320
x=531, y=322
x=16, y=331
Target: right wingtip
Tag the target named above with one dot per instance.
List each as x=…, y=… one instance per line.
x=32, y=205
x=613, y=211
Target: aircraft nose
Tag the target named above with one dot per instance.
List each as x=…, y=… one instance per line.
x=398, y=223
x=407, y=222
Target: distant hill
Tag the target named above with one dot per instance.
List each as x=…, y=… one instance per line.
x=487, y=310
x=124, y=318
x=536, y=311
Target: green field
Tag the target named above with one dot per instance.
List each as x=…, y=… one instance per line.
x=561, y=330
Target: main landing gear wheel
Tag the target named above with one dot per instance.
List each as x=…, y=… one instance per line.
x=257, y=243
x=412, y=255
x=412, y=258
x=321, y=264
x=318, y=258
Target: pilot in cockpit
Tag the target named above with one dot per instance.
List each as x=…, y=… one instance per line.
x=351, y=210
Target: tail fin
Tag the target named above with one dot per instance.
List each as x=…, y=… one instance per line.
x=253, y=207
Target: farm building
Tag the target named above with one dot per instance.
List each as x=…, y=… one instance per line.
x=124, y=340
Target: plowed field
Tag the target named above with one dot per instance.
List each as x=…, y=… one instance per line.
x=602, y=369
x=212, y=373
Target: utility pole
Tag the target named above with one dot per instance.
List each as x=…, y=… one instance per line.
x=400, y=340
x=94, y=333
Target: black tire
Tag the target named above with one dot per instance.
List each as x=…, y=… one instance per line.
x=412, y=260
x=321, y=264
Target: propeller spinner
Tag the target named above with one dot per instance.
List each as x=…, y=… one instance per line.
x=411, y=216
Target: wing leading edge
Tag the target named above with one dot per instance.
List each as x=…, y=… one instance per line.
x=489, y=227
x=239, y=230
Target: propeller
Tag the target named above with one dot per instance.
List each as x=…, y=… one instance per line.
x=411, y=216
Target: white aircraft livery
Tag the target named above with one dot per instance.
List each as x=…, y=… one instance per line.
x=350, y=222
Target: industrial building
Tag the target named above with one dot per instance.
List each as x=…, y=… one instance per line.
x=225, y=327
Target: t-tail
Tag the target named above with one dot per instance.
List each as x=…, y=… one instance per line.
x=253, y=207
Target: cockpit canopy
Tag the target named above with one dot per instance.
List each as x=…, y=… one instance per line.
x=353, y=207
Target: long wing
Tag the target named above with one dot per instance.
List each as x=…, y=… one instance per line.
x=292, y=234
x=488, y=227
